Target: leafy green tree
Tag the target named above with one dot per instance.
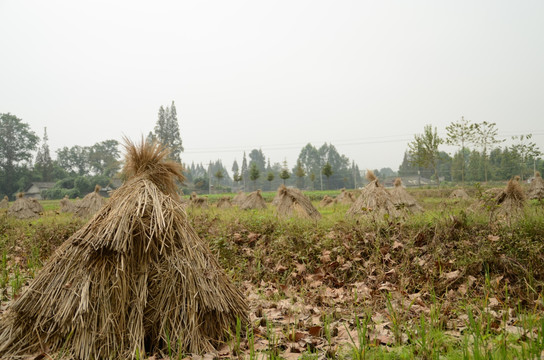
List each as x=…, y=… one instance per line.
x=254, y=174
x=104, y=158
x=423, y=150
x=486, y=137
x=459, y=134
x=219, y=176
x=74, y=160
x=17, y=141
x=284, y=174
x=43, y=164
x=270, y=177
x=327, y=171
x=527, y=150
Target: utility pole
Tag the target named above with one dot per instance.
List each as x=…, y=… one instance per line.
x=354, y=175
x=321, y=174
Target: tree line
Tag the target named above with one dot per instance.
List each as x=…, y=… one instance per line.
x=479, y=156
x=76, y=170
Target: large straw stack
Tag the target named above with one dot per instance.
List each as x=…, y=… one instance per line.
x=135, y=279
x=374, y=201
x=90, y=204
x=511, y=201
x=292, y=202
x=253, y=201
x=536, y=189
x=403, y=200
x=25, y=208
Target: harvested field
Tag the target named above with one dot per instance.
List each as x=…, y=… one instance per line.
x=443, y=283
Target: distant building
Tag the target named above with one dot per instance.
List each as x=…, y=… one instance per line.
x=35, y=189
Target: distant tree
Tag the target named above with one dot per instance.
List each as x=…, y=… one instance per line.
x=254, y=174
x=44, y=164
x=167, y=131
x=459, y=134
x=284, y=174
x=244, y=169
x=310, y=160
x=423, y=150
x=219, y=176
x=235, y=169
x=270, y=177
x=486, y=137
x=74, y=160
x=339, y=165
x=104, y=158
x=526, y=150
x=327, y=171
x=300, y=174
x=257, y=157
x=474, y=168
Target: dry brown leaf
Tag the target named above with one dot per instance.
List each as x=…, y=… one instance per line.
x=315, y=330
x=451, y=275
x=325, y=257
x=493, y=238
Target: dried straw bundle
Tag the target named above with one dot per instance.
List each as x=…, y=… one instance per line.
x=345, y=197
x=136, y=278
x=66, y=205
x=90, y=204
x=239, y=198
x=198, y=202
x=403, y=200
x=224, y=203
x=4, y=204
x=25, y=208
x=253, y=201
x=374, y=201
x=326, y=201
x=511, y=201
x=536, y=189
x=459, y=194
x=293, y=203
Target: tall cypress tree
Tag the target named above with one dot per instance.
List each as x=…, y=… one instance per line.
x=167, y=131
x=44, y=163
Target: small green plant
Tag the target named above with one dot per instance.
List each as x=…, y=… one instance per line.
x=359, y=348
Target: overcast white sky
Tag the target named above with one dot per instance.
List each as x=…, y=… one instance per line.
x=363, y=75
